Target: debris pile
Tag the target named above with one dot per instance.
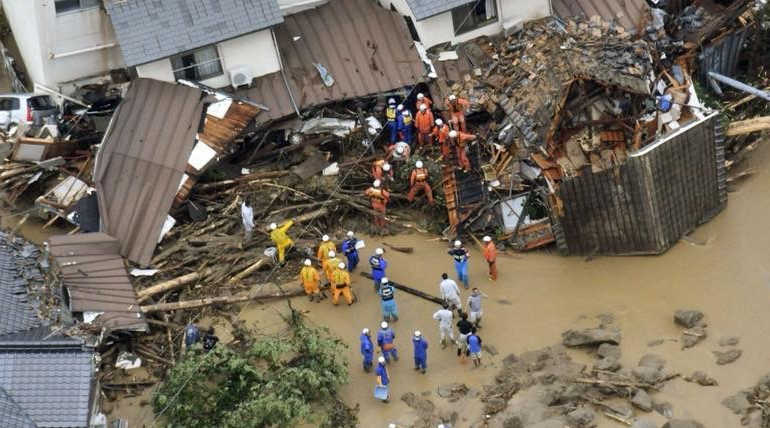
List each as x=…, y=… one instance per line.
x=752, y=404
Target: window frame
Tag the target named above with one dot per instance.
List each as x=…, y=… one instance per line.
x=82, y=6
x=464, y=13
x=178, y=72
x=14, y=101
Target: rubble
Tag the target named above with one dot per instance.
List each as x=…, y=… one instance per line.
x=682, y=423
x=728, y=356
x=688, y=318
x=701, y=378
x=729, y=341
x=590, y=336
x=642, y=400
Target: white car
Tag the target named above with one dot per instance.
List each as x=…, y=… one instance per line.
x=34, y=109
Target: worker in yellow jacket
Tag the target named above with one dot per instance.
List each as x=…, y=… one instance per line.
x=323, y=249
x=310, y=279
x=281, y=239
x=330, y=265
x=341, y=285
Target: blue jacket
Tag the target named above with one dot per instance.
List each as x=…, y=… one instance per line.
x=420, y=347
x=382, y=372
x=459, y=254
x=385, y=336
x=474, y=343
x=387, y=292
x=367, y=348
x=349, y=246
x=405, y=124
x=378, y=264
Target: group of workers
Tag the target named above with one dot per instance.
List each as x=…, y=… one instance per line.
x=337, y=272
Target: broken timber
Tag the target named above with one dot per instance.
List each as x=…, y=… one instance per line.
x=171, y=284
x=748, y=126
x=197, y=303
x=409, y=290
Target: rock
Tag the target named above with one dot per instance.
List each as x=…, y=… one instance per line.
x=642, y=400
x=701, y=378
x=582, y=417
x=644, y=423
x=510, y=360
x=607, y=350
x=692, y=336
x=452, y=391
x=653, y=361
x=550, y=423
x=608, y=364
x=514, y=422
x=738, y=403
x=647, y=374
x=655, y=342
x=590, y=336
x=687, y=318
x=728, y=356
x=664, y=408
x=490, y=349
x=729, y=341
x=681, y=423
x=494, y=405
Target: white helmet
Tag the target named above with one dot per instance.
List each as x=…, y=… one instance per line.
x=381, y=360
x=376, y=183
x=384, y=280
x=420, y=96
x=418, y=164
x=325, y=238
x=308, y=262
x=400, y=149
x=439, y=122
x=406, y=113
x=341, y=265
x=378, y=251
x=332, y=254
x=423, y=107
x=391, y=101
x=417, y=333
x=350, y=234
x=384, y=324
x=386, y=167
x=452, y=134
x=400, y=107
x=487, y=239
x=273, y=226
x=452, y=97
x=365, y=331
x=458, y=243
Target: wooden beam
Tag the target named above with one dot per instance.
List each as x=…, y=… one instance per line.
x=410, y=290
x=748, y=126
x=171, y=284
x=197, y=303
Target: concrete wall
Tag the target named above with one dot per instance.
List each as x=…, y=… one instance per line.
x=440, y=28
x=255, y=51
x=42, y=36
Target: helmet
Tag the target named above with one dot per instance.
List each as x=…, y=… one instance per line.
x=420, y=96
x=381, y=360
x=378, y=251
x=384, y=280
x=417, y=333
x=487, y=239
x=376, y=183
x=365, y=331
x=332, y=254
x=452, y=97
x=400, y=107
x=406, y=113
x=384, y=324
x=273, y=226
x=458, y=243
x=453, y=134
x=418, y=164
x=307, y=262
x=341, y=265
x=350, y=233
x=391, y=101
x=386, y=167
x=423, y=107
x=439, y=122
x=400, y=149
x=325, y=238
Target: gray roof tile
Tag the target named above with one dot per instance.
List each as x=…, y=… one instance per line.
x=184, y=24
x=423, y=9
x=16, y=312
x=12, y=415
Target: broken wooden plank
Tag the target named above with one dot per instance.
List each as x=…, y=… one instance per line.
x=407, y=250
x=748, y=126
x=171, y=284
x=198, y=303
x=410, y=290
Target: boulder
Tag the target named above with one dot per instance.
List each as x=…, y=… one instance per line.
x=664, y=408
x=494, y=405
x=701, y=378
x=644, y=423
x=728, y=356
x=738, y=403
x=729, y=341
x=582, y=417
x=590, y=336
x=653, y=361
x=642, y=400
x=682, y=423
x=607, y=350
x=688, y=318
x=649, y=375
x=608, y=364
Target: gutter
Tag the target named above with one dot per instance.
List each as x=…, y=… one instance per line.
x=678, y=132
x=81, y=51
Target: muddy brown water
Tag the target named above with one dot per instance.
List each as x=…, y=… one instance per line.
x=539, y=295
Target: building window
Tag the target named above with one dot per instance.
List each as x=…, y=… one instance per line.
x=64, y=6
x=9, y=104
x=199, y=64
x=474, y=15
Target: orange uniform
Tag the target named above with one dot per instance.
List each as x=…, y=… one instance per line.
x=462, y=156
x=418, y=180
x=310, y=279
x=341, y=285
x=379, y=198
x=329, y=265
x=424, y=123
x=456, y=110
x=378, y=173
x=490, y=255
x=442, y=135
x=425, y=100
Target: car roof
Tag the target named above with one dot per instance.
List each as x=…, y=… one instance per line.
x=24, y=95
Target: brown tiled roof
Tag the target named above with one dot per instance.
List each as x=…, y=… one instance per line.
x=630, y=14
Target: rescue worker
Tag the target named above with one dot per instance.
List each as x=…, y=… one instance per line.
x=381, y=169
x=420, y=346
x=456, y=107
x=474, y=307
x=350, y=250
x=490, y=255
x=379, y=199
x=474, y=348
x=329, y=265
x=388, y=301
x=378, y=264
x=281, y=239
x=247, y=215
x=192, y=335
x=461, y=255
x=399, y=152
x=422, y=99
x=341, y=285
x=464, y=329
x=418, y=181
x=367, y=349
x=424, y=123
x=405, y=126
x=383, y=380
x=310, y=279
x=449, y=292
x=390, y=120
x=385, y=338
x=460, y=141
x=441, y=134
x=324, y=247
x=444, y=317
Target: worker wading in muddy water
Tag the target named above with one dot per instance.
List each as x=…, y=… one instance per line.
x=281, y=239
x=385, y=339
x=490, y=255
x=460, y=256
x=367, y=349
x=324, y=247
x=341, y=285
x=378, y=264
x=379, y=199
x=350, y=251
x=329, y=265
x=388, y=301
x=418, y=182
x=311, y=280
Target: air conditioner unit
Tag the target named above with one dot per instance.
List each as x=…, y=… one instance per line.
x=241, y=75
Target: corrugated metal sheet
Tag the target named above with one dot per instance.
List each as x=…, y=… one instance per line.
x=647, y=204
x=721, y=55
x=142, y=160
x=366, y=48
x=628, y=13
x=95, y=277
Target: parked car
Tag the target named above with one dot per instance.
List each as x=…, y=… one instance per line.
x=30, y=108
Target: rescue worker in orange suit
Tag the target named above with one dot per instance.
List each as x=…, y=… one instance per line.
x=441, y=134
x=424, y=122
x=460, y=140
x=490, y=255
x=381, y=169
x=341, y=284
x=391, y=123
x=281, y=239
x=329, y=265
x=323, y=249
x=422, y=99
x=399, y=152
x=379, y=198
x=456, y=107
x=418, y=181
x=311, y=279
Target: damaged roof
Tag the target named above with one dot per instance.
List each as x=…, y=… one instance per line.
x=369, y=51
x=630, y=14
x=16, y=312
x=148, y=30
x=96, y=279
x=423, y=9
x=142, y=160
